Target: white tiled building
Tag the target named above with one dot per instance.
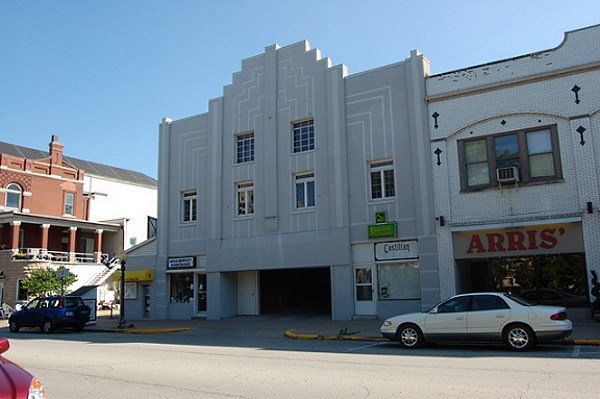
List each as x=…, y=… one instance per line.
x=515, y=151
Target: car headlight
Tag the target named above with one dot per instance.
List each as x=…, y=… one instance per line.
x=36, y=390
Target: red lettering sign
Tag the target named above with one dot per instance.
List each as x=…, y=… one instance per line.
x=513, y=241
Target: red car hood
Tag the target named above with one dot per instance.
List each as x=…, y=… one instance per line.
x=14, y=381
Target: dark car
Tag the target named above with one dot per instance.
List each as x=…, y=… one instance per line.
x=50, y=313
x=16, y=382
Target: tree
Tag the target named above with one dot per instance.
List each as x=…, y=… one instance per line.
x=46, y=281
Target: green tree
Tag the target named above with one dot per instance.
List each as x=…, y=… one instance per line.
x=46, y=281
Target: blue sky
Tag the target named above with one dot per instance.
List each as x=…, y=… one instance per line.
x=102, y=74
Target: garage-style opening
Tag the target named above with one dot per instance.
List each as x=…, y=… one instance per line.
x=296, y=291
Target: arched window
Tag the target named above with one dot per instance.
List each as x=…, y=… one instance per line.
x=13, y=196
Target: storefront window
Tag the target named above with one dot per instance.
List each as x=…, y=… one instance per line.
x=399, y=281
x=182, y=287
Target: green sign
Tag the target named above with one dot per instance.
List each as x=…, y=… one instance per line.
x=382, y=230
x=380, y=217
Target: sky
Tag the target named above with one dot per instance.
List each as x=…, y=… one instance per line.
x=101, y=74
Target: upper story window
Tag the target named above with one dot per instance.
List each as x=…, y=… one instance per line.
x=189, y=200
x=305, y=190
x=304, y=135
x=69, y=204
x=245, y=147
x=382, y=179
x=245, y=198
x=13, y=196
x=525, y=156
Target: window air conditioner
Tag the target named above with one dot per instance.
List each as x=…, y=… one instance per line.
x=507, y=175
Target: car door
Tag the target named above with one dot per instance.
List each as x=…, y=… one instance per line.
x=487, y=317
x=448, y=321
x=31, y=313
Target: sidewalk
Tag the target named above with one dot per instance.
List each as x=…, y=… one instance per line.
x=585, y=332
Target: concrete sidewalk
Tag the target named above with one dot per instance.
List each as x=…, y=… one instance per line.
x=585, y=332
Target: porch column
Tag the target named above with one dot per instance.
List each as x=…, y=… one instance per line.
x=44, y=243
x=98, y=245
x=15, y=226
x=72, y=242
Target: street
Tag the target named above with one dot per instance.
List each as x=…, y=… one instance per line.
x=221, y=363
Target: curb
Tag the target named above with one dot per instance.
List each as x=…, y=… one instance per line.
x=290, y=334
x=139, y=331
x=586, y=342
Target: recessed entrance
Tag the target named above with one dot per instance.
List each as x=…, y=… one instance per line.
x=296, y=291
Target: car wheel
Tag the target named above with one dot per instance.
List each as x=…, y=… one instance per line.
x=410, y=336
x=519, y=337
x=13, y=326
x=47, y=326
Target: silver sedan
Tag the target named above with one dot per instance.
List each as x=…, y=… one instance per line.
x=481, y=317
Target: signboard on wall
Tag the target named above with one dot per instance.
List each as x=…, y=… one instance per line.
x=518, y=241
x=187, y=262
x=396, y=250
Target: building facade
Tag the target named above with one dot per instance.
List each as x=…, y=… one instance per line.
x=515, y=173
x=46, y=201
x=302, y=189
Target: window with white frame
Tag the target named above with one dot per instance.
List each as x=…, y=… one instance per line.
x=382, y=179
x=245, y=147
x=69, y=204
x=303, y=135
x=245, y=198
x=528, y=155
x=13, y=196
x=305, y=190
x=189, y=200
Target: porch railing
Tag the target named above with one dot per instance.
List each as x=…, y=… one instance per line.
x=44, y=255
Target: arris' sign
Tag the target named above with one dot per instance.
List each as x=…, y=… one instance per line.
x=519, y=241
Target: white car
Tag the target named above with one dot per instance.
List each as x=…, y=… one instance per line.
x=481, y=317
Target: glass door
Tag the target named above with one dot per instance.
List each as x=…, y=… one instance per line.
x=364, y=303
x=201, y=293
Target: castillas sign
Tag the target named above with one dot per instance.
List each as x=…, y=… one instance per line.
x=395, y=250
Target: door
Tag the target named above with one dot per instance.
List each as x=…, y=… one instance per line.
x=201, y=293
x=248, y=293
x=146, y=300
x=364, y=301
x=449, y=320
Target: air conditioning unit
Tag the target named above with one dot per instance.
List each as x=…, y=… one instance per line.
x=507, y=175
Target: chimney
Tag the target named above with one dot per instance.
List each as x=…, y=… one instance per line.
x=56, y=151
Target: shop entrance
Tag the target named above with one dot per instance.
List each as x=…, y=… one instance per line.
x=296, y=291
x=559, y=280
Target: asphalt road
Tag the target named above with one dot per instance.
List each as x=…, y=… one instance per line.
x=231, y=364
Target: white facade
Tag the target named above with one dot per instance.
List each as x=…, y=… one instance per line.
x=122, y=202
x=558, y=90
x=312, y=199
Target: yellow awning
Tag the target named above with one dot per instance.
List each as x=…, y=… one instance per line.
x=135, y=275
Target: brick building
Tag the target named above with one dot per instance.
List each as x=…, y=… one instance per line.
x=515, y=172
x=45, y=207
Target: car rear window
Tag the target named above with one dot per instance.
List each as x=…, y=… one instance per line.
x=518, y=300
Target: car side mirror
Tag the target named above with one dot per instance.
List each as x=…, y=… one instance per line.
x=4, y=345
x=433, y=311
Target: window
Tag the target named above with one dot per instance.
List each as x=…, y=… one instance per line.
x=382, y=179
x=22, y=294
x=189, y=207
x=305, y=190
x=245, y=147
x=304, y=135
x=534, y=154
x=152, y=226
x=487, y=302
x=245, y=198
x=69, y=204
x=399, y=280
x=13, y=196
x=460, y=304
x=181, y=287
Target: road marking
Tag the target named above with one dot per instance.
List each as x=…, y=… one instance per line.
x=365, y=347
x=576, y=350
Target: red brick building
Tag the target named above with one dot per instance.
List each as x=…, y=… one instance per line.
x=43, y=221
